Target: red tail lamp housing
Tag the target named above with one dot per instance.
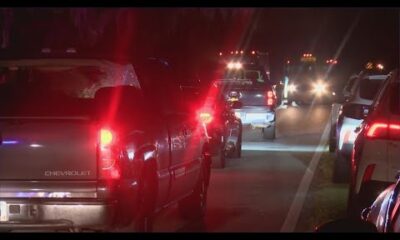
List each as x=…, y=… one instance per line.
x=271, y=99
x=206, y=117
x=383, y=130
x=108, y=155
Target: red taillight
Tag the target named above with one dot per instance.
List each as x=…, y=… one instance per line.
x=106, y=137
x=377, y=130
x=205, y=117
x=108, y=155
x=368, y=173
x=270, y=98
x=382, y=130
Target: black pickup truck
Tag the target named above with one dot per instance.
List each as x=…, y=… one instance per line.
x=93, y=144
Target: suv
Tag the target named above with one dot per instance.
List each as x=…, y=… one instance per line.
x=375, y=157
x=248, y=85
x=351, y=114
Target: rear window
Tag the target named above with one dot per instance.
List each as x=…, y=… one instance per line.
x=245, y=78
x=369, y=88
x=53, y=90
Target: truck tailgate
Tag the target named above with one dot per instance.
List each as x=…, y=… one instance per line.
x=47, y=149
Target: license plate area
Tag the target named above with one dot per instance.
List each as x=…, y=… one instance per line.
x=4, y=214
x=17, y=211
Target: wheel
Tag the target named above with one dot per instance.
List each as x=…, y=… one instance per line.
x=269, y=133
x=194, y=206
x=218, y=157
x=341, y=169
x=146, y=202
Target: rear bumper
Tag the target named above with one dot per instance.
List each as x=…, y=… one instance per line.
x=257, y=118
x=20, y=214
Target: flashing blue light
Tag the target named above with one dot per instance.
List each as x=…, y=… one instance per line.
x=9, y=142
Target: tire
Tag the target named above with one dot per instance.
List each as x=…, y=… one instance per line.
x=146, y=202
x=341, y=169
x=193, y=207
x=269, y=133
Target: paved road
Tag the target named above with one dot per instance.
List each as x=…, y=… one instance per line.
x=255, y=193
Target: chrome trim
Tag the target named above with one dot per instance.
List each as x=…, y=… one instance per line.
x=38, y=194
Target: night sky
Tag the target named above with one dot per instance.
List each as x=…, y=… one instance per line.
x=353, y=35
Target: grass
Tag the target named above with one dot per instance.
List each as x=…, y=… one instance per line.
x=326, y=201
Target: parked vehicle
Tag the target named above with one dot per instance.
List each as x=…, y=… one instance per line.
x=351, y=114
x=248, y=84
x=375, y=157
x=95, y=144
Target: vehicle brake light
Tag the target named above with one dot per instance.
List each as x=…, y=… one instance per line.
x=382, y=130
x=270, y=98
x=368, y=173
x=206, y=117
x=106, y=137
x=377, y=130
x=108, y=155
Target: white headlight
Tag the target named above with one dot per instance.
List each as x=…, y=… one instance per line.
x=292, y=88
x=319, y=88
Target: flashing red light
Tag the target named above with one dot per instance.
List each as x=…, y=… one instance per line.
x=108, y=156
x=220, y=53
x=205, y=117
x=288, y=61
x=253, y=52
x=106, y=137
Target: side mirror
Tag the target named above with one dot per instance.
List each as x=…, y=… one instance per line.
x=347, y=225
